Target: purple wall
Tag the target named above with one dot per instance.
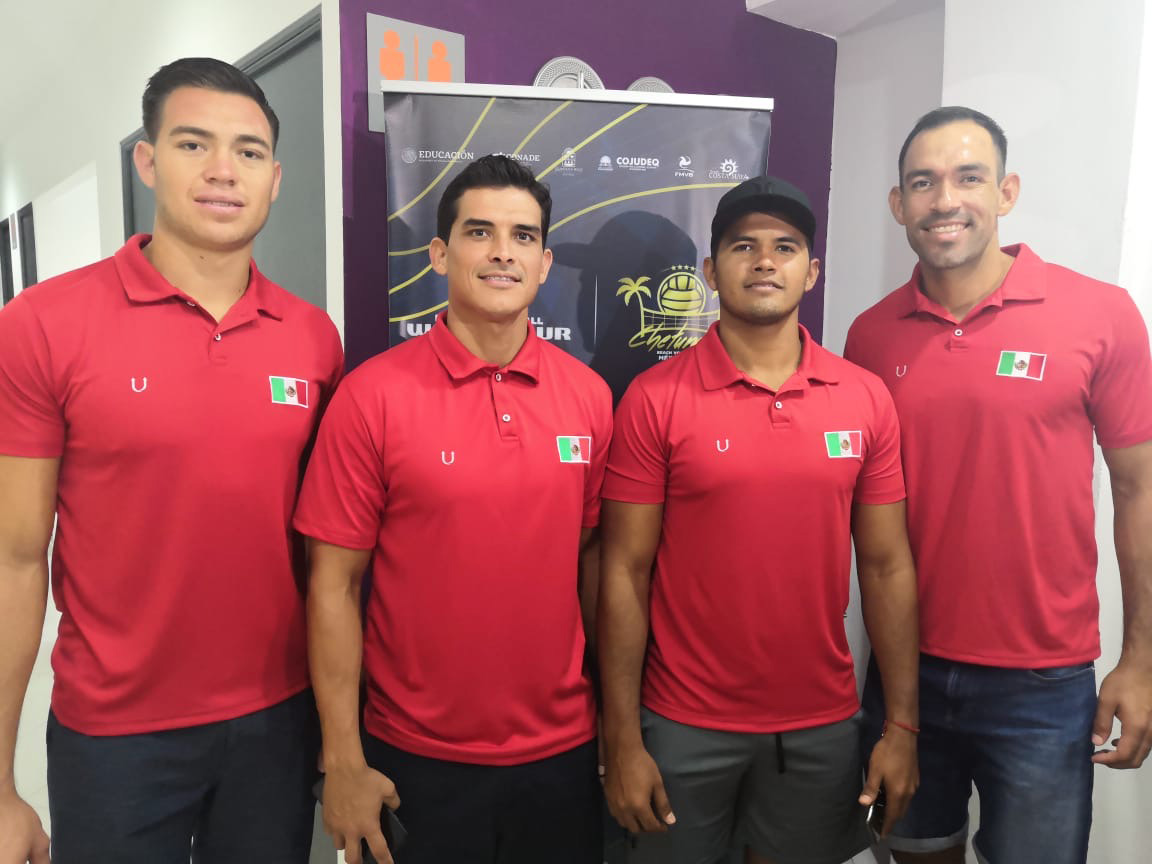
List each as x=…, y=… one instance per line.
x=715, y=46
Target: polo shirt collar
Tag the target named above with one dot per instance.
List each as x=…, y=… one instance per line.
x=143, y=283
x=717, y=370
x=1024, y=281
x=460, y=363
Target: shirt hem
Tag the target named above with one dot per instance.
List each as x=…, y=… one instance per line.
x=759, y=726
x=438, y=750
x=183, y=722
x=1012, y=661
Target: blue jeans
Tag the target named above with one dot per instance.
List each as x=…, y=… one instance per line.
x=222, y=793
x=1023, y=736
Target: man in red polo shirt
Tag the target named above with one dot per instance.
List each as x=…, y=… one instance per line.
x=159, y=404
x=465, y=465
x=740, y=474
x=1002, y=366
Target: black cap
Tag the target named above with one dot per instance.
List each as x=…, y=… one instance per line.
x=764, y=195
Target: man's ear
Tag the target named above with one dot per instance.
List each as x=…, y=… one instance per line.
x=438, y=255
x=144, y=158
x=896, y=204
x=1009, y=194
x=545, y=265
x=813, y=274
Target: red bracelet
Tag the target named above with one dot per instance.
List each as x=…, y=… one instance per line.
x=915, y=730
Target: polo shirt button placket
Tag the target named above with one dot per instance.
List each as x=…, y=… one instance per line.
x=957, y=342
x=505, y=427
x=216, y=347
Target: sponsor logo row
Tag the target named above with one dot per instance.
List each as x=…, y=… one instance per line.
x=684, y=168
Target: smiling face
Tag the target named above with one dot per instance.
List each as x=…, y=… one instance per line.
x=762, y=269
x=494, y=259
x=212, y=168
x=951, y=196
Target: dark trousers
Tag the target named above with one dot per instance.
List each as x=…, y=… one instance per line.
x=548, y=810
x=234, y=791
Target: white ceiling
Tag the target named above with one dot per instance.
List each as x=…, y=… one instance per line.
x=836, y=17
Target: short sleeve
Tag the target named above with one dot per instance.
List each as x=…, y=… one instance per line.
x=343, y=496
x=1120, y=394
x=638, y=464
x=32, y=420
x=854, y=347
x=601, y=442
x=881, y=479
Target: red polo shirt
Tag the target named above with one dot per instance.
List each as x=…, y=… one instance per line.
x=751, y=580
x=172, y=566
x=471, y=483
x=997, y=413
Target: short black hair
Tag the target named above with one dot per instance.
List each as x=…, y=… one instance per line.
x=492, y=172
x=955, y=114
x=209, y=74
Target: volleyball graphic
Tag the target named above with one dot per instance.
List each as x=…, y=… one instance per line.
x=682, y=293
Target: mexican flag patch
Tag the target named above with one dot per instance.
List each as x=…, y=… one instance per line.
x=574, y=448
x=844, y=445
x=289, y=391
x=1021, y=364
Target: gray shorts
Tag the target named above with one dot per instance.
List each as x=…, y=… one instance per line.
x=791, y=798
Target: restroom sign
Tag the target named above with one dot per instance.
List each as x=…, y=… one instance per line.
x=403, y=51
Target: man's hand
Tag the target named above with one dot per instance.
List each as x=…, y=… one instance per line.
x=635, y=791
x=22, y=837
x=1126, y=695
x=353, y=799
x=892, y=766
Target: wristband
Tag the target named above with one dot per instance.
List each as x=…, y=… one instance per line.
x=915, y=730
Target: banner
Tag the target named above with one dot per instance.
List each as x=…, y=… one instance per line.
x=634, y=188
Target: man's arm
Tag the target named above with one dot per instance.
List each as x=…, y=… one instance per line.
x=632, y=783
x=888, y=602
x=589, y=585
x=27, y=509
x=353, y=792
x=1126, y=692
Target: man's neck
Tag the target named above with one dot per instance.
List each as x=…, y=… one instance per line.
x=960, y=289
x=215, y=280
x=495, y=342
x=768, y=353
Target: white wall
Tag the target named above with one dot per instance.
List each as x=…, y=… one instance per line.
x=67, y=220
x=886, y=76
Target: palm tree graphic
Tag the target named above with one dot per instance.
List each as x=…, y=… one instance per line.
x=631, y=287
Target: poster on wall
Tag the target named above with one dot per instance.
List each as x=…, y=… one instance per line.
x=634, y=187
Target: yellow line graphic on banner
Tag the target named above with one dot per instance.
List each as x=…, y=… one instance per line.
x=408, y=282
x=633, y=195
x=408, y=251
x=591, y=138
x=538, y=127
x=440, y=176
x=412, y=315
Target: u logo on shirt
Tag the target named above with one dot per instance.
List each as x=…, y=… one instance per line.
x=720, y=449
x=447, y=456
x=142, y=387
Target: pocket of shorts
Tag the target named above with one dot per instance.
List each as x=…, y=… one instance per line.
x=1061, y=673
